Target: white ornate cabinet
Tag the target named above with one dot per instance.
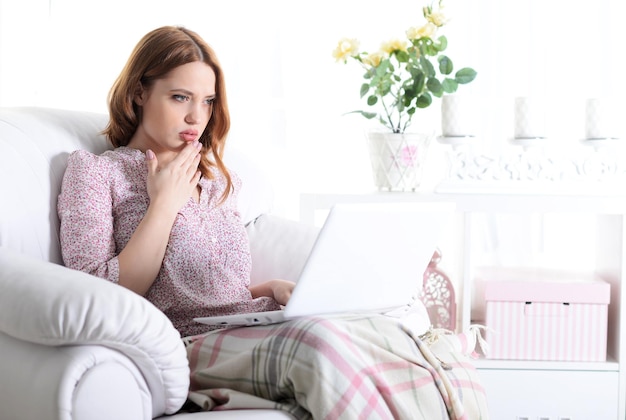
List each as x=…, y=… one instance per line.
x=525, y=390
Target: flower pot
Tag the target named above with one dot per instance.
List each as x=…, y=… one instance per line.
x=398, y=159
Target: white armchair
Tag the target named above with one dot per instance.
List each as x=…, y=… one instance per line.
x=73, y=346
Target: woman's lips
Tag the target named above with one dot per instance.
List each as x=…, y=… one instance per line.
x=188, y=135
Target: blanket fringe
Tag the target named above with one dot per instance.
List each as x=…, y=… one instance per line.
x=473, y=335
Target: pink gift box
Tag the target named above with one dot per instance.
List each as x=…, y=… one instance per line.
x=546, y=315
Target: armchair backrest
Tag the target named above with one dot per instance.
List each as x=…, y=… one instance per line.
x=34, y=146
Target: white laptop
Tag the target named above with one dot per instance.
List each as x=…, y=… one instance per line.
x=368, y=257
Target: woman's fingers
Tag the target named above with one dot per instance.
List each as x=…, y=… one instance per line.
x=171, y=184
x=192, y=169
x=186, y=163
x=187, y=156
x=151, y=162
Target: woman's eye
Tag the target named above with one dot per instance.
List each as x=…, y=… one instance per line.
x=209, y=101
x=181, y=98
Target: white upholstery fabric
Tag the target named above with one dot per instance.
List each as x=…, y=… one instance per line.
x=279, y=247
x=34, y=146
x=69, y=382
x=256, y=195
x=48, y=304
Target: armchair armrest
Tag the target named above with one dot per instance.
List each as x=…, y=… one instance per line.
x=84, y=382
x=50, y=305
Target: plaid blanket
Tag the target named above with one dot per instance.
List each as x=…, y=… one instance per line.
x=335, y=367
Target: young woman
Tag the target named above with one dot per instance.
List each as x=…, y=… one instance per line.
x=157, y=214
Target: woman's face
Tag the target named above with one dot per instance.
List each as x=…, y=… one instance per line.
x=175, y=109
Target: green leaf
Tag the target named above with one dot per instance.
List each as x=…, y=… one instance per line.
x=382, y=68
x=419, y=80
x=428, y=67
x=449, y=85
x=465, y=75
x=430, y=49
x=400, y=106
x=368, y=115
x=442, y=43
x=372, y=100
x=445, y=65
x=385, y=87
x=424, y=100
x=435, y=87
x=408, y=97
x=365, y=87
x=413, y=52
x=402, y=56
x=415, y=71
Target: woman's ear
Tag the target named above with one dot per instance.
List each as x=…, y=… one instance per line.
x=140, y=95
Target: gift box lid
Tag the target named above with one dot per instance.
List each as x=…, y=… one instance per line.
x=543, y=285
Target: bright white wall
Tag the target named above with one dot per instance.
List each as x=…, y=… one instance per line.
x=287, y=94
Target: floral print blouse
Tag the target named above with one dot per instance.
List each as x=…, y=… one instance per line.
x=206, y=268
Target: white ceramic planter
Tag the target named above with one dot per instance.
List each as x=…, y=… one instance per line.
x=398, y=159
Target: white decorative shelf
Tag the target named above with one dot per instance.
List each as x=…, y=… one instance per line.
x=537, y=167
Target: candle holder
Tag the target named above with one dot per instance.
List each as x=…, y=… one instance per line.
x=529, y=119
x=457, y=141
x=529, y=143
x=601, y=119
x=458, y=117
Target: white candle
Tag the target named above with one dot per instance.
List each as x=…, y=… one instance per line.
x=601, y=119
x=457, y=116
x=529, y=118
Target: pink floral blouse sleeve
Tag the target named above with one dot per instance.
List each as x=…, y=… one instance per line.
x=85, y=212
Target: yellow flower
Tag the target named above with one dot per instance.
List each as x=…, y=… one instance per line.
x=393, y=45
x=373, y=59
x=437, y=18
x=426, y=31
x=347, y=47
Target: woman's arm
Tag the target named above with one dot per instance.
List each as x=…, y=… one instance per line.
x=278, y=289
x=85, y=214
x=141, y=258
x=169, y=188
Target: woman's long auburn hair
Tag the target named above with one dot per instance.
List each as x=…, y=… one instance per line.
x=156, y=54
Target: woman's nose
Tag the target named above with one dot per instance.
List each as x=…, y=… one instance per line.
x=193, y=114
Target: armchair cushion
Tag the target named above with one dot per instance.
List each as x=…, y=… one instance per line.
x=279, y=247
x=52, y=305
